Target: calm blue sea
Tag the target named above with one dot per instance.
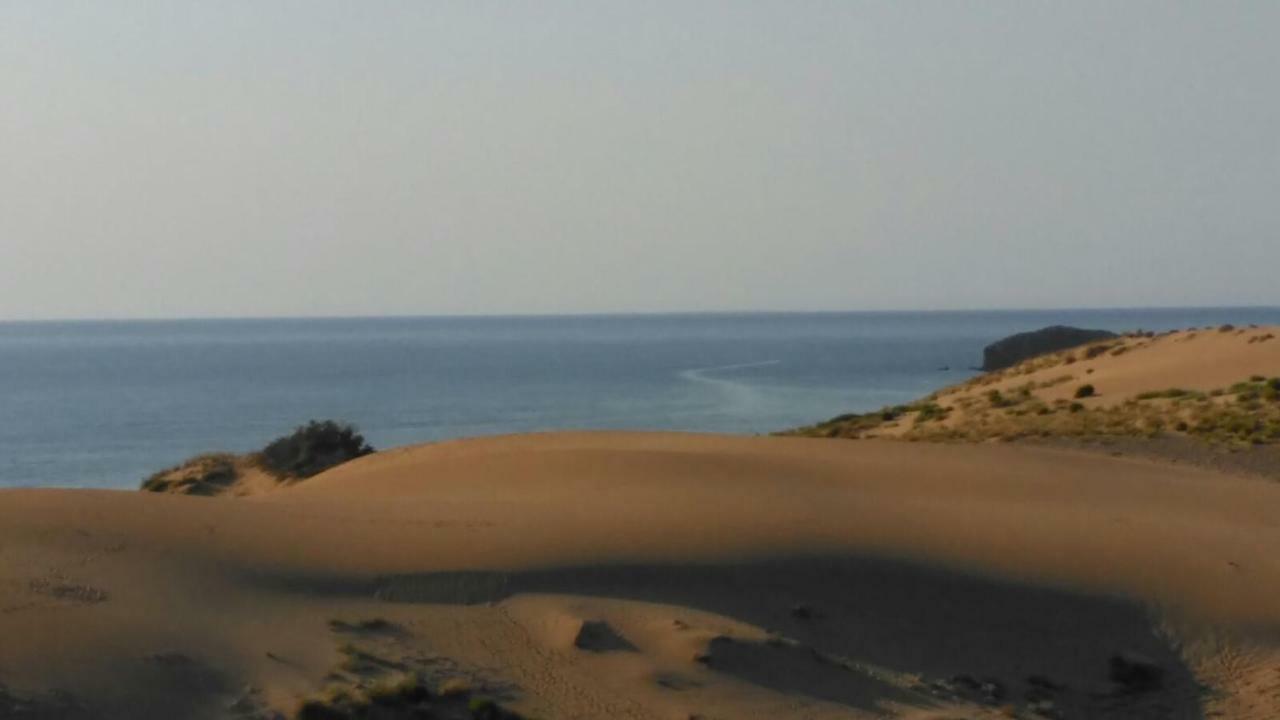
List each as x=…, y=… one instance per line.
x=103, y=404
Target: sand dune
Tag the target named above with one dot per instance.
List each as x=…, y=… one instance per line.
x=660, y=575
x=715, y=577
x=1219, y=385
x=1201, y=359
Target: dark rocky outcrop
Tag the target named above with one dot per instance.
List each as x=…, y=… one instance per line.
x=1016, y=348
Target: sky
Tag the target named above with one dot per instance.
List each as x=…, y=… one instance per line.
x=246, y=158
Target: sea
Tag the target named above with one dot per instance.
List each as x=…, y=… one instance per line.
x=103, y=404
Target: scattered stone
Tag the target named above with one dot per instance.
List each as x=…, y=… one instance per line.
x=599, y=636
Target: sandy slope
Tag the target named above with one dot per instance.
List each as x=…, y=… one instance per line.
x=1219, y=385
x=1191, y=359
x=720, y=577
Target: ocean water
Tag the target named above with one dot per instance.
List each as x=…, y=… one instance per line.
x=103, y=404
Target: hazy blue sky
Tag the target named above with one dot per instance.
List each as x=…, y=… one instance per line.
x=336, y=158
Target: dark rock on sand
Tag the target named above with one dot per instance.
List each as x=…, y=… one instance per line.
x=599, y=636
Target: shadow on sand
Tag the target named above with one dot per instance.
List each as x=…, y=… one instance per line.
x=1022, y=642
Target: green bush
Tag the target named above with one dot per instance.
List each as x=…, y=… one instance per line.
x=931, y=411
x=313, y=448
x=889, y=414
x=998, y=400
x=1085, y=391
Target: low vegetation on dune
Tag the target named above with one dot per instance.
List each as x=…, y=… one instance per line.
x=313, y=448
x=396, y=696
x=1247, y=413
x=307, y=451
x=206, y=474
x=365, y=684
x=1003, y=406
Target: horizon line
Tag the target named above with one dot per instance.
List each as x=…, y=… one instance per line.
x=622, y=314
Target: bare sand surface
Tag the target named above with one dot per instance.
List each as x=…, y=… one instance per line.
x=647, y=575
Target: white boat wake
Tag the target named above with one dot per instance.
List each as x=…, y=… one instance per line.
x=738, y=397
